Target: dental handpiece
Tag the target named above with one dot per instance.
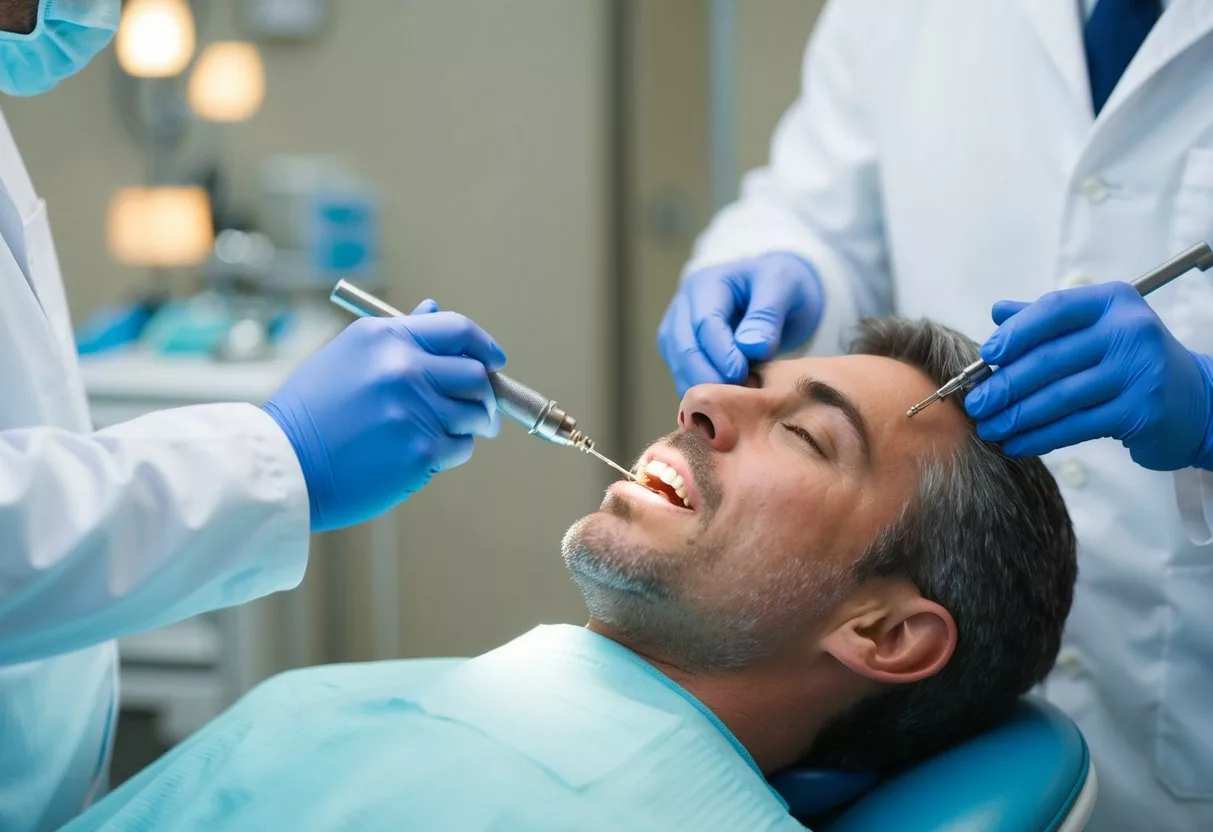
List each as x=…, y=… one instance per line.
x=1199, y=256
x=537, y=413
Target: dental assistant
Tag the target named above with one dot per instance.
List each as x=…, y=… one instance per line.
x=945, y=156
x=175, y=513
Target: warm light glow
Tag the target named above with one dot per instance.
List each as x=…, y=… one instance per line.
x=155, y=38
x=228, y=82
x=160, y=226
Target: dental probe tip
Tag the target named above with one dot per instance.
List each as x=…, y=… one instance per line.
x=954, y=385
x=613, y=464
x=922, y=405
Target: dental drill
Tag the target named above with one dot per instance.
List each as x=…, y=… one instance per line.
x=1199, y=256
x=537, y=413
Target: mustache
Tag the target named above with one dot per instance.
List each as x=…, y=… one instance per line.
x=701, y=459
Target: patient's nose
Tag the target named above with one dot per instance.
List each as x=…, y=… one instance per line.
x=713, y=411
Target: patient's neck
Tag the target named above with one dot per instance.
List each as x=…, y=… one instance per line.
x=774, y=709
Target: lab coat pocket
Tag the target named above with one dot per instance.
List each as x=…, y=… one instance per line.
x=1191, y=317
x=1183, y=742
x=1194, y=200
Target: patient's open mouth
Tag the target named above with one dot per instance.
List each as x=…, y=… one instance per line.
x=664, y=480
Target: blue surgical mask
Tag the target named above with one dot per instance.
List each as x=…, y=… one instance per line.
x=69, y=33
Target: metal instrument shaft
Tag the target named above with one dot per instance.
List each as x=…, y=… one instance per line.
x=1199, y=256
x=537, y=413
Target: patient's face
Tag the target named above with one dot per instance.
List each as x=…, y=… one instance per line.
x=787, y=479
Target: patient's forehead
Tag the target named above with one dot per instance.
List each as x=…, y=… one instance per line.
x=883, y=389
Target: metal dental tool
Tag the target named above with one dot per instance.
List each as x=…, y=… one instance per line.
x=1199, y=256
x=537, y=413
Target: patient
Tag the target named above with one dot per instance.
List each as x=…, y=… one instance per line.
x=811, y=576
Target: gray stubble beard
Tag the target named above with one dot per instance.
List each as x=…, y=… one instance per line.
x=646, y=611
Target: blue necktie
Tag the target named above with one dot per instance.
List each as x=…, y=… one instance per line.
x=1115, y=32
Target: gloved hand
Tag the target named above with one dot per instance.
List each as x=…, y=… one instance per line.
x=1094, y=362
x=388, y=403
x=774, y=302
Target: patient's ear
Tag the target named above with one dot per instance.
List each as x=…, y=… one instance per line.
x=888, y=632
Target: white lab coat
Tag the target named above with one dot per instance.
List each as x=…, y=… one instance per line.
x=107, y=533
x=943, y=155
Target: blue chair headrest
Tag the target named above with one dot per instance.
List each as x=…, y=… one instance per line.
x=1027, y=773
x=810, y=791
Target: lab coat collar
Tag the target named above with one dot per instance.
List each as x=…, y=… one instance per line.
x=1183, y=24
x=1058, y=25
x=14, y=178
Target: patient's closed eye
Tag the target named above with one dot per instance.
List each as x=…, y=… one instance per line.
x=804, y=435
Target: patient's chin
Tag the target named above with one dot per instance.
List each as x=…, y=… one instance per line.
x=594, y=548
x=639, y=593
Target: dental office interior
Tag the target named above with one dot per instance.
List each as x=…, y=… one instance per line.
x=542, y=166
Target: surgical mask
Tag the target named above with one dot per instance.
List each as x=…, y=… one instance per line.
x=67, y=36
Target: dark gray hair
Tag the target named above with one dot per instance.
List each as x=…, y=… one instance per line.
x=988, y=538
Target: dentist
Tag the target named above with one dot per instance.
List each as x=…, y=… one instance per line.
x=175, y=513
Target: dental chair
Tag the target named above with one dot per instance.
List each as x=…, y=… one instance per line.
x=1031, y=773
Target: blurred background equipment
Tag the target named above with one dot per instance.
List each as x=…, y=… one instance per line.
x=540, y=165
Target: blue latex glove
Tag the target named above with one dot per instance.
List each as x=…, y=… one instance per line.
x=387, y=404
x=773, y=302
x=1094, y=362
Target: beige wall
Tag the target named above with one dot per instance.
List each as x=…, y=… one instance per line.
x=483, y=125
x=771, y=36
x=670, y=148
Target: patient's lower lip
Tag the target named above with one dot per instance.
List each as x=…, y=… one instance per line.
x=635, y=491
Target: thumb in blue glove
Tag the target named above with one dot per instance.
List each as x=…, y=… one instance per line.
x=1094, y=362
x=724, y=317
x=387, y=404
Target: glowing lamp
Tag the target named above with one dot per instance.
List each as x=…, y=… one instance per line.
x=155, y=38
x=228, y=82
x=162, y=227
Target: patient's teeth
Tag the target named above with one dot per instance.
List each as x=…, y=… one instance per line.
x=655, y=468
x=660, y=471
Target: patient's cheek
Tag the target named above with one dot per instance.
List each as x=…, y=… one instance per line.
x=818, y=520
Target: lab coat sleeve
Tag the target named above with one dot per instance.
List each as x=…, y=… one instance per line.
x=819, y=195
x=143, y=524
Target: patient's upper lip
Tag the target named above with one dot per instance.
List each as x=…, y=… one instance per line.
x=671, y=457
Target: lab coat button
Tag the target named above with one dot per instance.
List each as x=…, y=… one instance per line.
x=1075, y=279
x=1073, y=473
x=1095, y=189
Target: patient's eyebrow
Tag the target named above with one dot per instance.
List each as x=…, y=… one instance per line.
x=818, y=392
